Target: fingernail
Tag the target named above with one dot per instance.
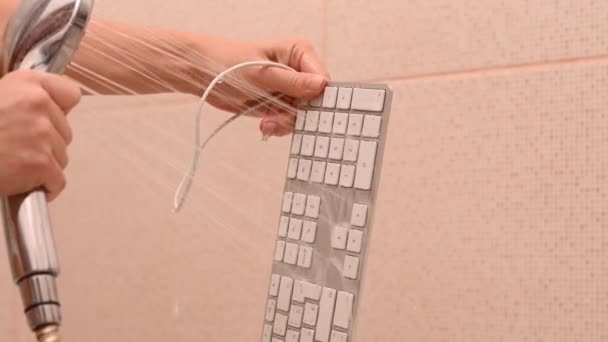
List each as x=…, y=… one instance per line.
x=315, y=82
x=268, y=128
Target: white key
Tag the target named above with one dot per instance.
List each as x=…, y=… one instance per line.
x=309, y=232
x=295, y=229
x=358, y=217
x=365, y=165
x=270, y=309
x=279, y=251
x=285, y=294
x=371, y=126
x=296, y=143
x=318, y=172
x=298, y=292
x=280, y=324
x=283, y=226
x=351, y=150
x=312, y=121
x=326, y=311
x=330, y=97
x=310, y=314
x=313, y=205
x=292, y=336
x=305, y=257
x=300, y=118
x=338, y=336
x=292, y=170
x=332, y=174
x=267, y=334
x=275, y=280
x=355, y=240
x=291, y=253
x=368, y=99
x=308, y=145
x=344, y=309
x=299, y=204
x=304, y=166
x=307, y=335
x=336, y=148
x=326, y=122
x=322, y=147
x=316, y=102
x=347, y=176
x=344, y=97
x=312, y=291
x=355, y=122
x=287, y=198
x=351, y=267
x=339, y=235
x=295, y=316
x=340, y=123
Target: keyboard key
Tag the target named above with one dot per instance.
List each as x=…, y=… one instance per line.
x=330, y=97
x=308, y=145
x=318, y=172
x=296, y=143
x=312, y=291
x=267, y=334
x=322, y=147
x=283, y=226
x=299, y=204
x=338, y=336
x=326, y=311
x=291, y=253
x=295, y=316
x=368, y=99
x=292, y=170
x=279, y=250
x=275, y=280
x=285, y=294
x=280, y=324
x=340, y=123
x=295, y=229
x=270, y=309
x=351, y=267
x=287, y=198
x=305, y=257
x=355, y=123
x=339, y=236
x=359, y=215
x=355, y=240
x=307, y=335
x=313, y=205
x=300, y=118
x=351, y=150
x=309, y=232
x=326, y=122
x=332, y=174
x=371, y=126
x=298, y=292
x=292, y=336
x=365, y=165
x=310, y=314
x=336, y=148
x=344, y=309
x=304, y=166
x=316, y=102
x=312, y=121
x=344, y=98
x=347, y=176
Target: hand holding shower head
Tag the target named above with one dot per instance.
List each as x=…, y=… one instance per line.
x=42, y=35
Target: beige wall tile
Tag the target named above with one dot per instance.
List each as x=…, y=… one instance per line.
x=8, y=295
x=386, y=39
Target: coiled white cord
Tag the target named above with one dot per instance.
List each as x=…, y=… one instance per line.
x=186, y=183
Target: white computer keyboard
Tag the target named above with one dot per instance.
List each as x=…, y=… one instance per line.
x=326, y=215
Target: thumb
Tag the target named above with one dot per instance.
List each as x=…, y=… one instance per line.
x=300, y=85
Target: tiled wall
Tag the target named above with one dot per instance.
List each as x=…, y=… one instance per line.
x=493, y=213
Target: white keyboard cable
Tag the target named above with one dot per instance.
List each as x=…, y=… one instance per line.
x=186, y=183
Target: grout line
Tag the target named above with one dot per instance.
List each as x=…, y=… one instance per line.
x=324, y=29
x=476, y=72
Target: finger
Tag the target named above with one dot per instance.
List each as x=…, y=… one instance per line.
x=63, y=91
x=59, y=149
x=60, y=122
x=55, y=180
x=277, y=123
x=308, y=59
x=296, y=84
